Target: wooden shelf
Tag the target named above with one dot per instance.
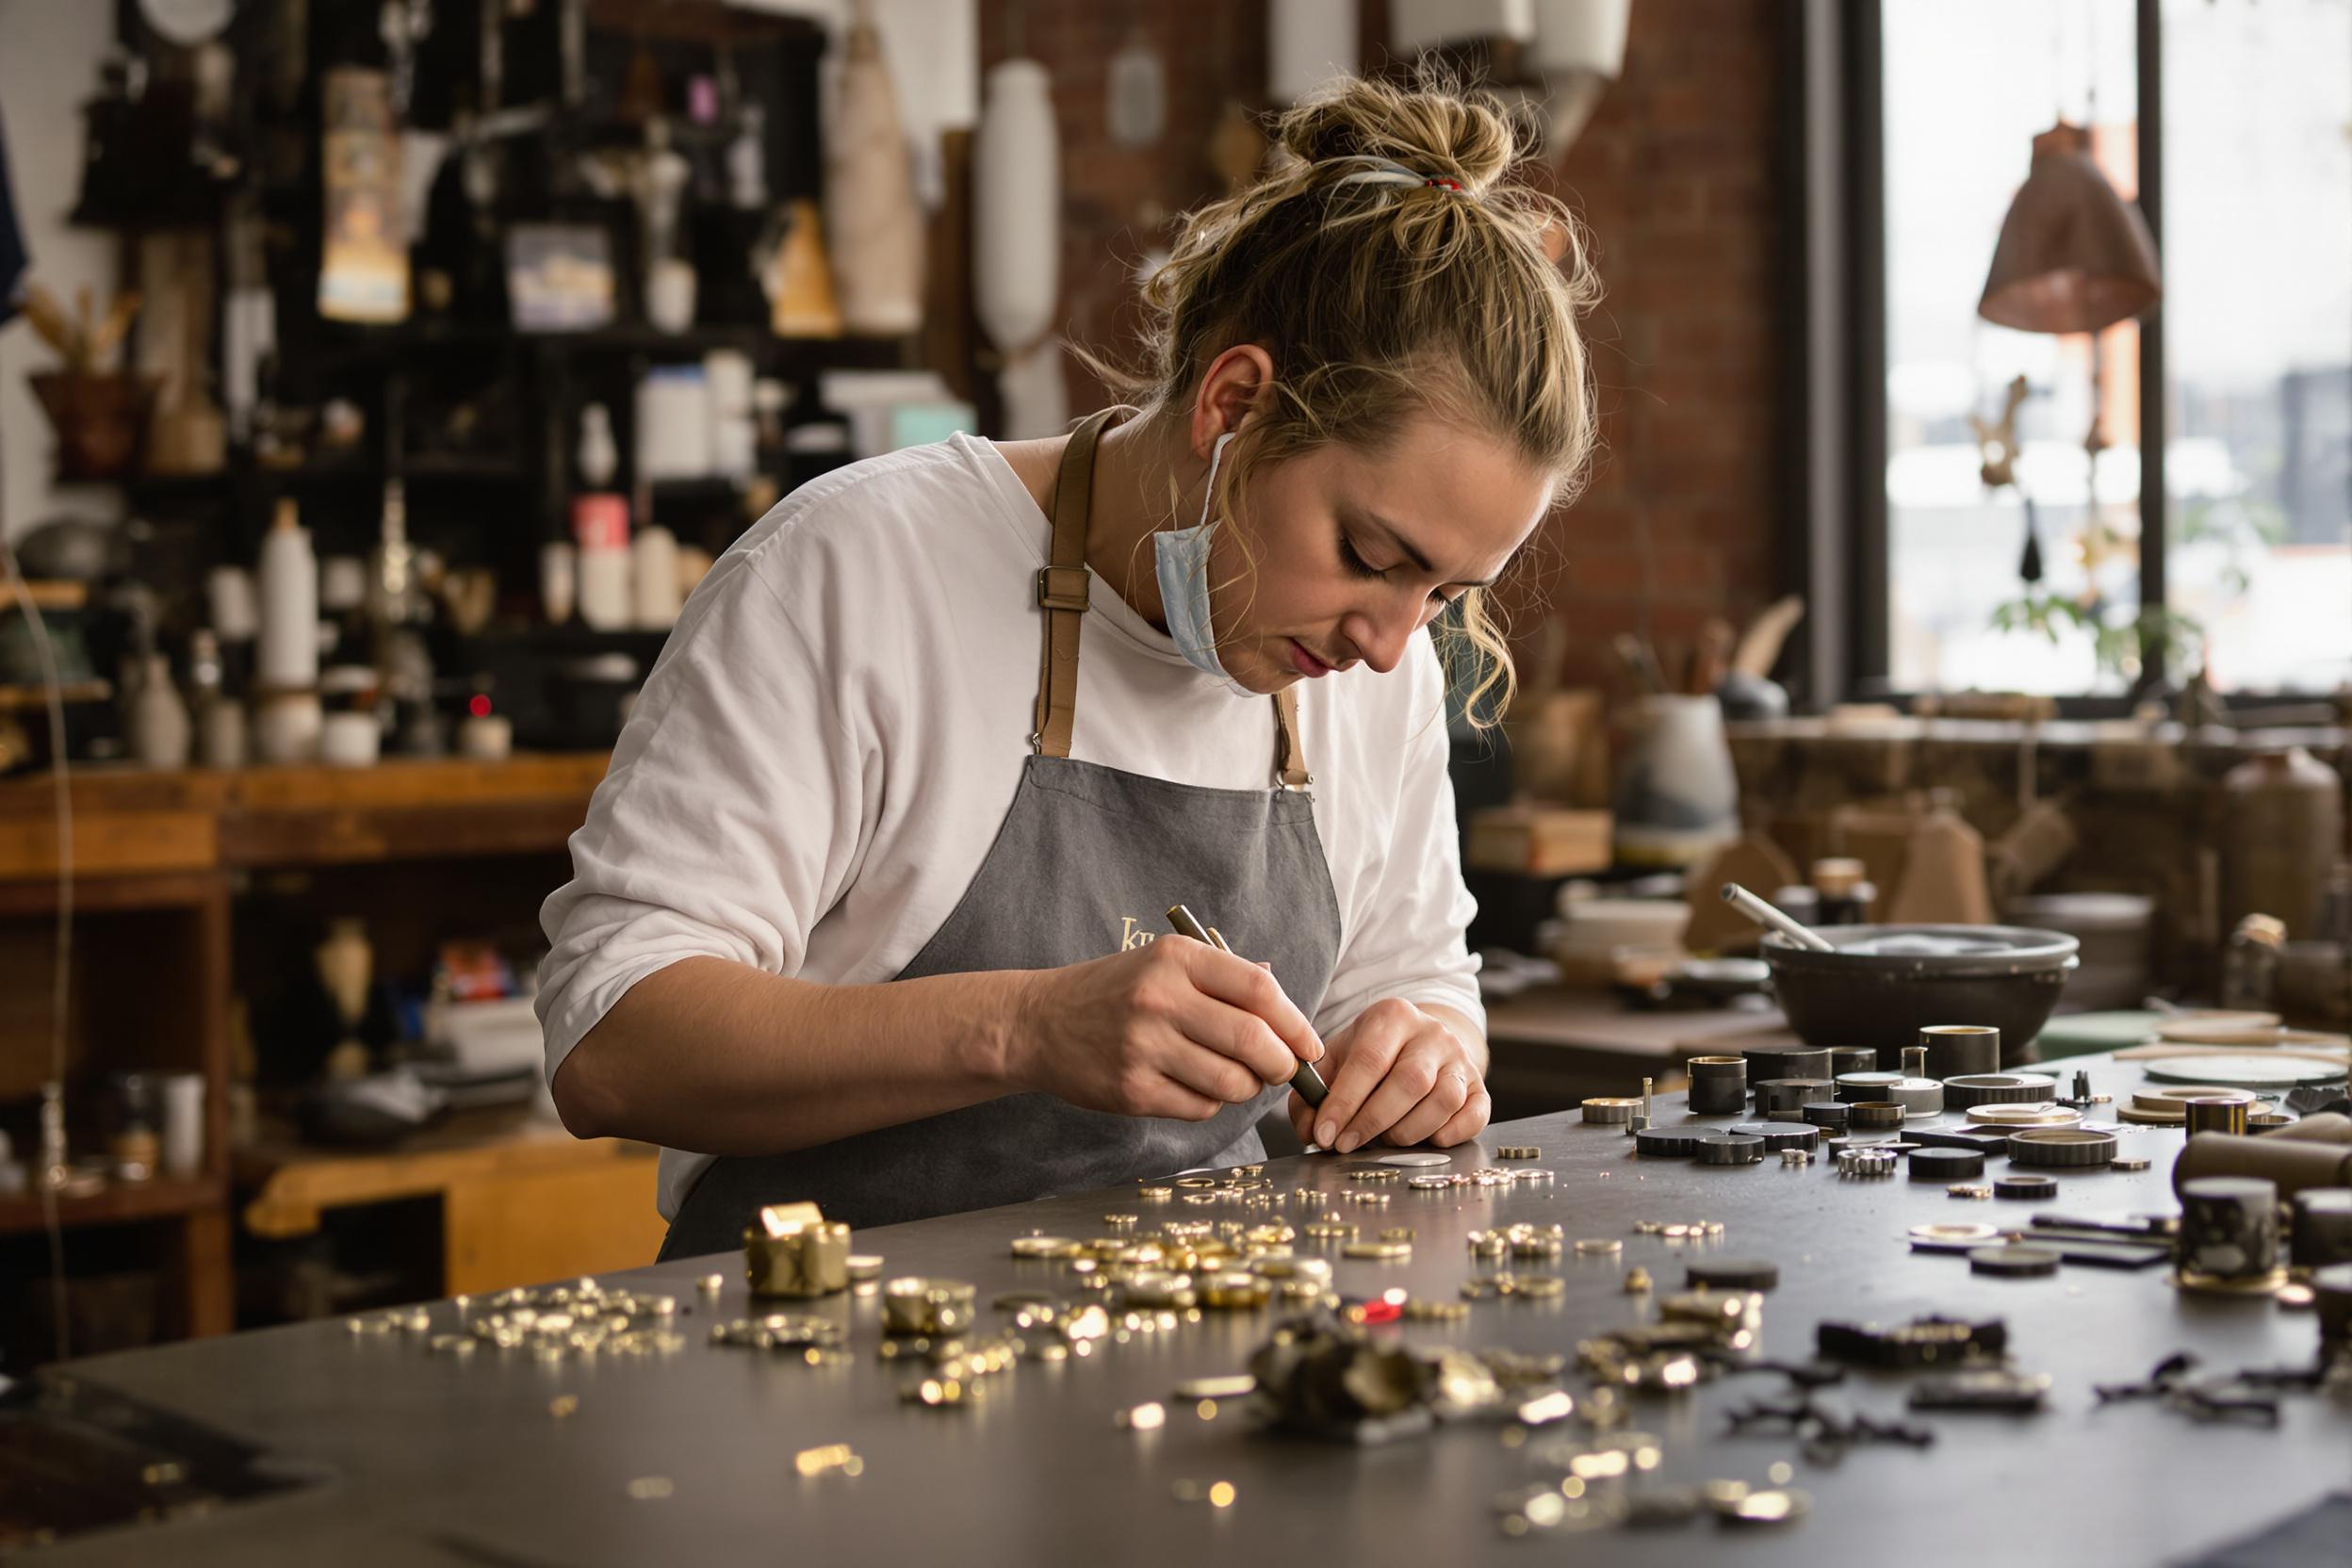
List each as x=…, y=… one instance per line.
x=121, y=1203
x=128, y=822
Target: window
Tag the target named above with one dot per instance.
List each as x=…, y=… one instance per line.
x=2253, y=571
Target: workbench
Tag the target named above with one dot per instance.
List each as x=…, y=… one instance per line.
x=435, y=1458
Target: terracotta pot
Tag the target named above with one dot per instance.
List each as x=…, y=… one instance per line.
x=100, y=421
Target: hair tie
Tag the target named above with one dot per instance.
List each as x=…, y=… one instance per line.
x=1387, y=172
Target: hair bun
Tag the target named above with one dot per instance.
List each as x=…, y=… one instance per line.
x=1442, y=134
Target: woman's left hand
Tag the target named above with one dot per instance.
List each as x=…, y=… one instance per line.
x=1413, y=1074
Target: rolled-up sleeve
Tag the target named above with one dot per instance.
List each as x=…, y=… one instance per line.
x=1406, y=928
x=730, y=820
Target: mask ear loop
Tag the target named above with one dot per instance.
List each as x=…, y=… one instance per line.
x=1217, y=456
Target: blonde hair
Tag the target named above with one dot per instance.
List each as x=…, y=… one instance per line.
x=1378, y=297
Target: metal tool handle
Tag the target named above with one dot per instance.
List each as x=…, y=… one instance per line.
x=1772, y=919
x=1308, y=1082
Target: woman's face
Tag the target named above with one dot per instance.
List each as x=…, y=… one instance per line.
x=1357, y=550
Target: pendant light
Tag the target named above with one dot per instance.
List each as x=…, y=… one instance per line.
x=2073, y=254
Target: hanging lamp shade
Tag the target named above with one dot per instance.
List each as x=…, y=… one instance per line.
x=2073, y=254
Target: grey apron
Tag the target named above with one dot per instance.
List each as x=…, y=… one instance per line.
x=1087, y=863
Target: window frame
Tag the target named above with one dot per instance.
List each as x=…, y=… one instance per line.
x=1835, y=133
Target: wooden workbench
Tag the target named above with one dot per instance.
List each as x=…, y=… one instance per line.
x=687, y=1458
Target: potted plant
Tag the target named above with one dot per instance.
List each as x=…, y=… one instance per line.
x=98, y=410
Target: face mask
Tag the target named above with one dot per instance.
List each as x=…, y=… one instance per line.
x=1181, y=560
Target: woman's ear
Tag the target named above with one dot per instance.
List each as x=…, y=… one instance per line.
x=1233, y=388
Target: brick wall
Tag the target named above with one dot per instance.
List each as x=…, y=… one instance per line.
x=1676, y=179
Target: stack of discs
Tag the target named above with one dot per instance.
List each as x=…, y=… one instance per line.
x=2322, y=1236
x=2228, y=1227
x=1967, y=1090
x=1719, y=1085
x=1788, y=1096
x=1957, y=1049
x=2063, y=1146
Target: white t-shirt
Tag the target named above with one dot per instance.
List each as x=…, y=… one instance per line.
x=833, y=734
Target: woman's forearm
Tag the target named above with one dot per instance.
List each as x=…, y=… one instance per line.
x=718, y=1057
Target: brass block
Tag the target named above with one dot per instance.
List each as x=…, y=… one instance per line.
x=796, y=1251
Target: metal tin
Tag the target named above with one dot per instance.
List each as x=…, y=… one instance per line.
x=1864, y=1086
x=2322, y=1234
x=1719, y=1085
x=1916, y=1096
x=1667, y=1143
x=1852, y=1059
x=2228, y=1227
x=2215, y=1114
x=1873, y=1116
x=1956, y=1049
x=1785, y=1096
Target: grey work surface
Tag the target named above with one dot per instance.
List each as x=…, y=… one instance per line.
x=445, y=1461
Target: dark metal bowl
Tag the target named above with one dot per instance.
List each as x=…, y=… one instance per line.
x=1905, y=977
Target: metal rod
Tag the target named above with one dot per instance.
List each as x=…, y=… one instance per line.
x=1308, y=1082
x=1772, y=919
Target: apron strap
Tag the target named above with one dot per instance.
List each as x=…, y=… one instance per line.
x=1063, y=588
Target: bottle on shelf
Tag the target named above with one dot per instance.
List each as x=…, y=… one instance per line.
x=288, y=639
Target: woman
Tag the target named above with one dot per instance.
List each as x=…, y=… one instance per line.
x=970, y=717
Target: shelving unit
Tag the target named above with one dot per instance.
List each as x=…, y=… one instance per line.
x=160, y=860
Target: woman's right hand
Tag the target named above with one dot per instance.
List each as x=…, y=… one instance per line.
x=1174, y=1028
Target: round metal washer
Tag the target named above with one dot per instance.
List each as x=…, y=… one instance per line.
x=1665, y=1143
x=1416, y=1160
x=1946, y=1165
x=2017, y=1260
x=1729, y=1148
x=1952, y=1238
x=2025, y=1186
x=2016, y=1117
x=1916, y=1096
x=2061, y=1146
x=1873, y=1116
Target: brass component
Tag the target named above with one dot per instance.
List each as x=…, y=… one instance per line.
x=1379, y=1252
x=794, y=1251
x=1599, y=1247
x=832, y=1455
x=1234, y=1291
x=1637, y=1281
x=1044, y=1247
x=1397, y=1233
x=1968, y=1189
x=563, y=1405
x=1120, y=1222
x=912, y=1304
